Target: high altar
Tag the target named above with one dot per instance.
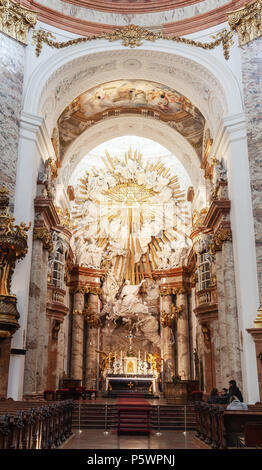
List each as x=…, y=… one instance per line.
x=131, y=373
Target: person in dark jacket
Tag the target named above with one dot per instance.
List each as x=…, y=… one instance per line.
x=223, y=399
x=213, y=397
x=234, y=391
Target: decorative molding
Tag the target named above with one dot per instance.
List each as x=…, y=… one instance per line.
x=247, y=22
x=43, y=234
x=127, y=7
x=132, y=36
x=15, y=20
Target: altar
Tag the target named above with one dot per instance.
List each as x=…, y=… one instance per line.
x=122, y=383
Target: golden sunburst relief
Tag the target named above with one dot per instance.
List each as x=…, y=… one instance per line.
x=129, y=210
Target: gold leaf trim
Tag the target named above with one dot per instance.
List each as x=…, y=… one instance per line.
x=132, y=36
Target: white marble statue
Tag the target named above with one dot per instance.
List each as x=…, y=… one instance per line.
x=89, y=255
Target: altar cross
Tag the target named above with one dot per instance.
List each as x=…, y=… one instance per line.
x=130, y=336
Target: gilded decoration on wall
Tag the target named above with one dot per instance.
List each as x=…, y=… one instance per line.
x=132, y=36
x=172, y=290
x=167, y=318
x=221, y=236
x=15, y=20
x=247, y=22
x=64, y=216
x=13, y=247
x=206, y=335
x=44, y=234
x=92, y=318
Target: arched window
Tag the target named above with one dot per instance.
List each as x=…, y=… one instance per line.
x=203, y=271
x=56, y=262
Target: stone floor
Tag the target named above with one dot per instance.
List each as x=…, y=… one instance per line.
x=96, y=439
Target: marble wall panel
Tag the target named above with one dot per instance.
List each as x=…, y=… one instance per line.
x=11, y=84
x=251, y=56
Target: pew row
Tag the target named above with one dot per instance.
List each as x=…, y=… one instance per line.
x=220, y=428
x=34, y=425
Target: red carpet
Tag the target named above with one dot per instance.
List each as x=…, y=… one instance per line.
x=134, y=416
x=132, y=401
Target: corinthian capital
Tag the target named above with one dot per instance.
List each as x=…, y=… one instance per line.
x=247, y=21
x=15, y=21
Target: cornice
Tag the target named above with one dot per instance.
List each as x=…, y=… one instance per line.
x=83, y=27
x=46, y=207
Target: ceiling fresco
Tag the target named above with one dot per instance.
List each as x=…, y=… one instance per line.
x=148, y=99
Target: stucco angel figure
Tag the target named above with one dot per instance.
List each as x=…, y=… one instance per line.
x=92, y=256
x=106, y=361
x=129, y=304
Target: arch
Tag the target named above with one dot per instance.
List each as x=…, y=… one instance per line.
x=205, y=79
x=133, y=125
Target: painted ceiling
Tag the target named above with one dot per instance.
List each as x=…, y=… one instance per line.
x=149, y=99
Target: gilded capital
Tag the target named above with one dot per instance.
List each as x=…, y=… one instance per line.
x=15, y=20
x=43, y=234
x=247, y=22
x=221, y=236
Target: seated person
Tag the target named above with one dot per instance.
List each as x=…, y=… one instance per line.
x=213, y=397
x=234, y=390
x=224, y=397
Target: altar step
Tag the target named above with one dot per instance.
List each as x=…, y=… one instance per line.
x=170, y=417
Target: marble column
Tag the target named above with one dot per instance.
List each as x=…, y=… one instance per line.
x=77, y=337
x=92, y=364
x=167, y=341
x=12, y=55
x=252, y=86
x=37, y=331
x=183, y=350
x=229, y=347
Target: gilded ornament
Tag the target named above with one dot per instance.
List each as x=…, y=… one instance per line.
x=247, y=22
x=132, y=36
x=206, y=334
x=167, y=318
x=92, y=318
x=13, y=247
x=43, y=234
x=15, y=20
x=64, y=216
x=221, y=236
x=258, y=320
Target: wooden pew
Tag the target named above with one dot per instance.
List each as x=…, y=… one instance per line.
x=31, y=425
x=233, y=425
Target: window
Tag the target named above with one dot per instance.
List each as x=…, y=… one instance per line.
x=59, y=267
x=203, y=271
